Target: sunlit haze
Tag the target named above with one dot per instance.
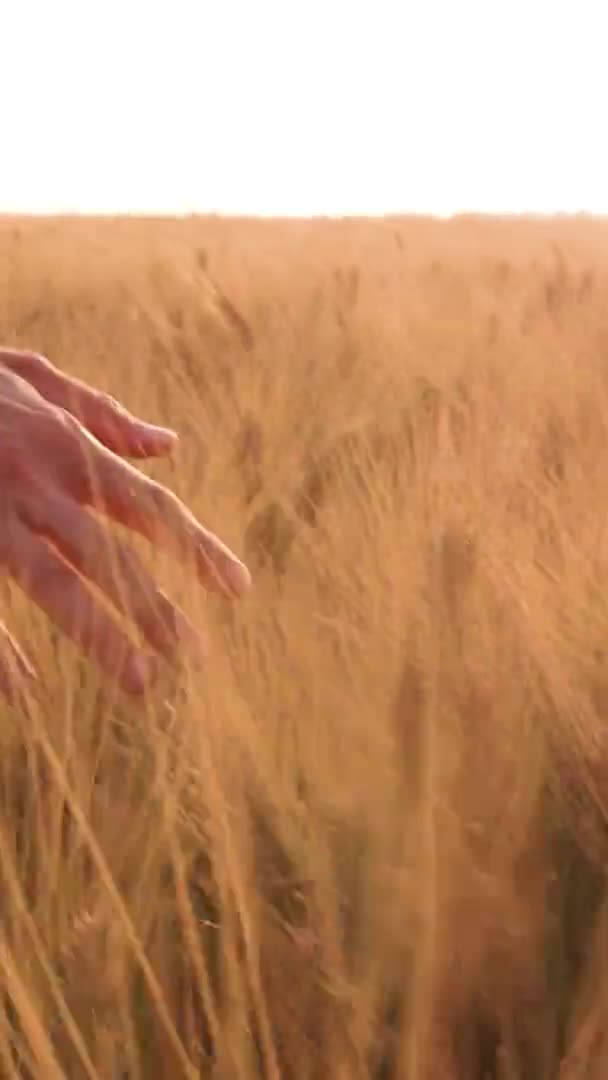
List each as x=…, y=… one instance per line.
x=314, y=107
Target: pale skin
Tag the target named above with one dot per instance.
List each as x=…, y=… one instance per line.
x=63, y=478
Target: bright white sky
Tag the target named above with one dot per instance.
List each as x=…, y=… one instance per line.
x=304, y=106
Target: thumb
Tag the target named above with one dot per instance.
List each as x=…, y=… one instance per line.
x=99, y=413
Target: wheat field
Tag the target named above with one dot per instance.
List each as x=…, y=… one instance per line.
x=368, y=839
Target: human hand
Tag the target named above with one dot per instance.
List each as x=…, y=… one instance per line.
x=62, y=446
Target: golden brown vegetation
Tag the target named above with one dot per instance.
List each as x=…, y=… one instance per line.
x=370, y=839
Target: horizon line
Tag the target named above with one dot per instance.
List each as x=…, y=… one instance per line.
x=407, y=215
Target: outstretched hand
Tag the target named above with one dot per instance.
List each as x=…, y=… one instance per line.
x=62, y=446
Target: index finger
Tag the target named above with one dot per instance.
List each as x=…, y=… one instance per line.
x=102, y=415
x=132, y=499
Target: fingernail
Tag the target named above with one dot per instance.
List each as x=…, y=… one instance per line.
x=160, y=434
x=139, y=673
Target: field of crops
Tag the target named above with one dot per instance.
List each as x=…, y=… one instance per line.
x=368, y=839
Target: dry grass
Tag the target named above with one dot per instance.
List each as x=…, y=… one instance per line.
x=370, y=840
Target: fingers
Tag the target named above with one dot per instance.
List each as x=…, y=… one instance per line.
x=100, y=414
x=146, y=507
x=15, y=670
x=57, y=589
x=110, y=565
x=96, y=476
